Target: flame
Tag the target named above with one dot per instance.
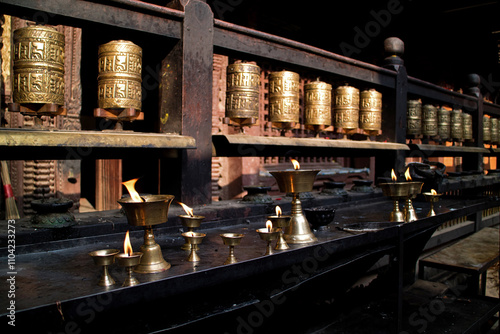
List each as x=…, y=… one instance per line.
x=278, y=211
x=130, y=185
x=407, y=174
x=433, y=192
x=393, y=175
x=186, y=208
x=295, y=163
x=127, y=247
x=269, y=225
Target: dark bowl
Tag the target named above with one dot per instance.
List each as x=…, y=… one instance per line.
x=51, y=205
x=319, y=216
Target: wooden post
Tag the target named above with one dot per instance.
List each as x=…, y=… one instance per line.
x=186, y=107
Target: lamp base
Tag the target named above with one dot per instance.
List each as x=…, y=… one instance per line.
x=152, y=260
x=299, y=231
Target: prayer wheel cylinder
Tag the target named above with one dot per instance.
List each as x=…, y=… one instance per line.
x=346, y=107
x=494, y=130
x=284, y=99
x=486, y=129
x=444, y=123
x=430, y=120
x=120, y=75
x=318, y=103
x=457, y=126
x=38, y=65
x=370, y=110
x=414, y=118
x=242, y=93
x=467, y=126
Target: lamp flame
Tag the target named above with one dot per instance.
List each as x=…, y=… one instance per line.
x=393, y=175
x=433, y=192
x=269, y=225
x=127, y=246
x=130, y=185
x=278, y=211
x=407, y=174
x=295, y=163
x=186, y=208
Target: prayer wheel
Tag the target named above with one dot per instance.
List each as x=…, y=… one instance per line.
x=346, y=107
x=370, y=110
x=486, y=129
x=38, y=65
x=242, y=93
x=444, y=123
x=119, y=77
x=284, y=99
x=457, y=125
x=467, y=126
x=414, y=118
x=430, y=120
x=494, y=130
x=318, y=104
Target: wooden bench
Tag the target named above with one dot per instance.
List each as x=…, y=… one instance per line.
x=472, y=255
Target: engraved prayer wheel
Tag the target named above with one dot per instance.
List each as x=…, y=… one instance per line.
x=284, y=99
x=242, y=93
x=414, y=118
x=346, y=107
x=430, y=120
x=119, y=77
x=486, y=129
x=38, y=65
x=370, y=110
x=444, y=123
x=494, y=130
x=457, y=125
x=467, y=125
x=318, y=103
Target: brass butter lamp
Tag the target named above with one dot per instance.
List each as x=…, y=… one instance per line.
x=397, y=191
x=193, y=239
x=231, y=240
x=431, y=197
x=129, y=259
x=147, y=211
x=280, y=221
x=191, y=221
x=295, y=182
x=269, y=234
x=104, y=258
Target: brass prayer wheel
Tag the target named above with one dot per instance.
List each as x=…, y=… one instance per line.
x=444, y=123
x=430, y=120
x=494, y=130
x=284, y=99
x=38, y=65
x=486, y=129
x=370, y=110
x=414, y=118
x=346, y=107
x=318, y=103
x=242, y=93
x=467, y=126
x=119, y=76
x=457, y=126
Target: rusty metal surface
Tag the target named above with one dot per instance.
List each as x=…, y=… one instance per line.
x=44, y=138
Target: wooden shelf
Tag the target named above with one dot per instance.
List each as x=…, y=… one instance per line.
x=243, y=145
x=79, y=144
x=447, y=151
